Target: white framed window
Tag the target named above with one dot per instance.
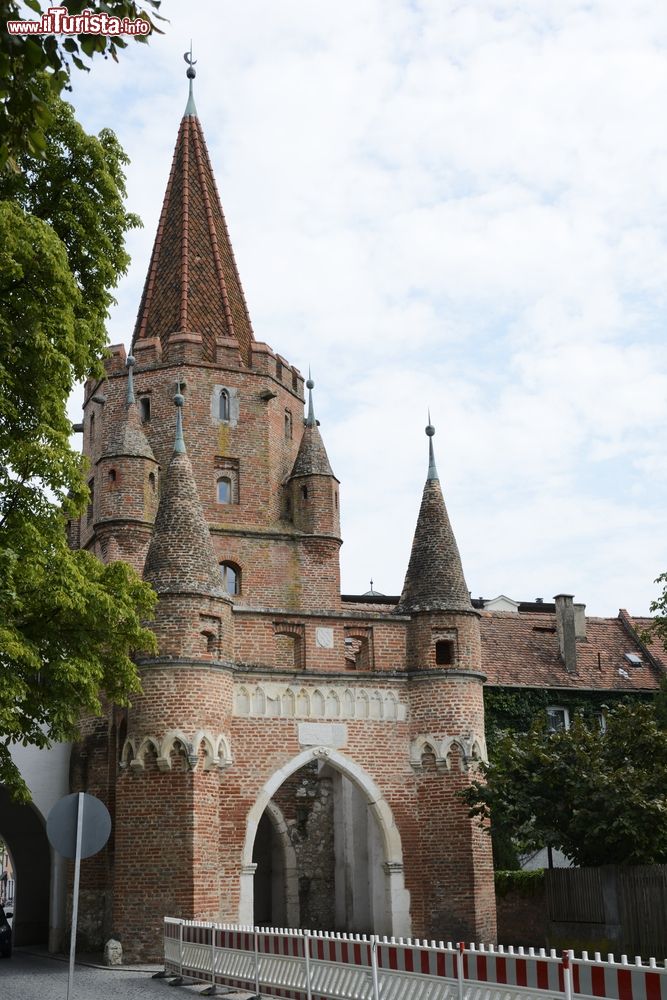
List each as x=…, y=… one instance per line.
x=601, y=720
x=558, y=718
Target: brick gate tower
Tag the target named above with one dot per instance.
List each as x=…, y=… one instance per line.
x=295, y=754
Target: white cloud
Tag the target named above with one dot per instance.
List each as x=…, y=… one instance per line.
x=456, y=204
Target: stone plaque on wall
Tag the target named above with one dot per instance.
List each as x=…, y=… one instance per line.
x=324, y=637
x=323, y=734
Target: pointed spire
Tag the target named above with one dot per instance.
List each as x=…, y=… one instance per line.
x=180, y=557
x=130, y=363
x=430, y=431
x=312, y=458
x=179, y=441
x=434, y=580
x=310, y=385
x=126, y=436
x=193, y=291
x=191, y=73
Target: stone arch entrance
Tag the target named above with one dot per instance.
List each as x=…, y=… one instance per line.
x=24, y=832
x=390, y=909
x=276, y=875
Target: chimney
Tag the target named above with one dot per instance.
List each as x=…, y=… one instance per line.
x=565, y=626
x=580, y=621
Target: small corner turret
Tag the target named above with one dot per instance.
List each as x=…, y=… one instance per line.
x=312, y=486
x=444, y=630
x=182, y=568
x=127, y=485
x=434, y=580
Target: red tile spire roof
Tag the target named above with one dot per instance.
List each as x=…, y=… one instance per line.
x=193, y=290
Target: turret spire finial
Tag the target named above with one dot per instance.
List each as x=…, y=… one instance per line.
x=310, y=385
x=129, y=364
x=179, y=442
x=191, y=73
x=430, y=431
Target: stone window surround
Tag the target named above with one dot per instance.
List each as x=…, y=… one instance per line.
x=233, y=398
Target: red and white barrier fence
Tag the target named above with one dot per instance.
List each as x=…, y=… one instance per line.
x=303, y=965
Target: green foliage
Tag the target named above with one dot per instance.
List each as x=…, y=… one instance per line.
x=68, y=624
x=516, y=709
x=600, y=797
x=28, y=60
x=524, y=883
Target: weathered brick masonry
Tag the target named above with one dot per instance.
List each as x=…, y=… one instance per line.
x=288, y=744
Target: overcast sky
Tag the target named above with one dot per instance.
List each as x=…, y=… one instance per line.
x=460, y=205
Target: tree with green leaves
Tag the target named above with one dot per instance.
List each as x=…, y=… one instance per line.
x=27, y=62
x=68, y=624
x=598, y=796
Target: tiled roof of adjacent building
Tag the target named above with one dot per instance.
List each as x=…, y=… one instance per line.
x=193, y=285
x=521, y=650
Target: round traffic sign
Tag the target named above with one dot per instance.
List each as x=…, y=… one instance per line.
x=62, y=822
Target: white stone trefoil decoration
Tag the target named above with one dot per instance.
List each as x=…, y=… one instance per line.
x=469, y=748
x=216, y=751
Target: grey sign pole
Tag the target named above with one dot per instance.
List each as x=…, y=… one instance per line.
x=77, y=836
x=75, y=894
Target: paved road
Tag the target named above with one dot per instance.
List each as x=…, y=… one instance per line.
x=28, y=976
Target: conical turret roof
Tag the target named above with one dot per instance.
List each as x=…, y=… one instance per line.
x=126, y=437
x=193, y=284
x=312, y=458
x=180, y=556
x=434, y=580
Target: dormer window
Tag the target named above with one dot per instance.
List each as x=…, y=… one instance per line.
x=223, y=405
x=224, y=490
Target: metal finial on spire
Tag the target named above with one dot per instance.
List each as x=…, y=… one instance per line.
x=430, y=431
x=310, y=385
x=179, y=443
x=191, y=73
x=129, y=364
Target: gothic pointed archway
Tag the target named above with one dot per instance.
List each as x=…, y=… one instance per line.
x=390, y=911
x=23, y=831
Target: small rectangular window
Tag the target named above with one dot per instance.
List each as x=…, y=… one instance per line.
x=444, y=652
x=558, y=719
x=145, y=409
